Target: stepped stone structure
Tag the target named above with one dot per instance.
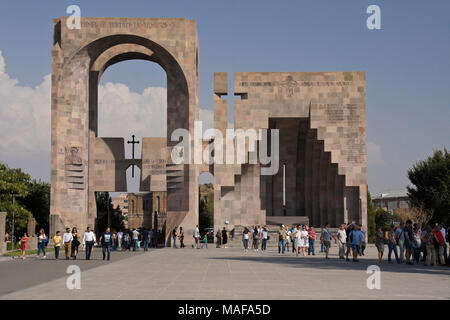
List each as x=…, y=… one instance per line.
x=320, y=117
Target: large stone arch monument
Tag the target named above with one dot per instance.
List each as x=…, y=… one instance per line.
x=83, y=163
x=320, y=116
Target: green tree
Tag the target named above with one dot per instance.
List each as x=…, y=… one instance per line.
x=206, y=211
x=430, y=188
x=38, y=203
x=104, y=203
x=383, y=218
x=14, y=182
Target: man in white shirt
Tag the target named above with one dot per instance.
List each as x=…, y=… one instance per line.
x=135, y=239
x=67, y=242
x=196, y=237
x=342, y=240
x=88, y=242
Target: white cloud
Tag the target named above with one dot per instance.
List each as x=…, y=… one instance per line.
x=374, y=155
x=123, y=112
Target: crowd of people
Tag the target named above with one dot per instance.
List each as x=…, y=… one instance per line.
x=109, y=241
x=408, y=242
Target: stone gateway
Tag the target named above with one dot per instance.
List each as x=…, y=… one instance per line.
x=320, y=117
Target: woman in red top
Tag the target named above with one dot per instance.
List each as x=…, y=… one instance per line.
x=23, y=245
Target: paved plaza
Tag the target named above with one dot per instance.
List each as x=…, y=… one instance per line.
x=219, y=274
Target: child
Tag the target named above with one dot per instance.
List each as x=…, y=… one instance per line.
x=205, y=240
x=23, y=245
x=57, y=240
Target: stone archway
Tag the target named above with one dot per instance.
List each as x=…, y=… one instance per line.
x=83, y=163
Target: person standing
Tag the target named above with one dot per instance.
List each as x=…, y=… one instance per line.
x=364, y=243
x=126, y=241
x=349, y=241
x=265, y=235
x=150, y=235
x=42, y=239
x=416, y=243
x=444, y=234
x=281, y=239
x=325, y=238
x=75, y=243
x=67, y=243
x=181, y=237
x=114, y=241
x=205, y=241
x=423, y=244
x=408, y=241
x=119, y=239
x=430, y=240
x=245, y=238
x=224, y=237
x=135, y=238
x=379, y=239
x=356, y=237
x=197, y=237
x=296, y=237
x=342, y=241
x=400, y=237
x=287, y=238
x=23, y=245
x=145, y=238
x=105, y=240
x=312, y=240
x=304, y=242
x=174, y=238
x=439, y=245
x=392, y=245
x=218, y=238
x=88, y=242
x=57, y=240
x=256, y=236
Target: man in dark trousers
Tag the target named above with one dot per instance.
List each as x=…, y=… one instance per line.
x=224, y=237
x=105, y=240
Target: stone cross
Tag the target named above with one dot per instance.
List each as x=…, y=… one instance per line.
x=133, y=142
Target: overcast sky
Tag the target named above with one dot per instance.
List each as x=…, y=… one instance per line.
x=407, y=64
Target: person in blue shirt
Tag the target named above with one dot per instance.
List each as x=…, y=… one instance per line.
x=356, y=238
x=105, y=240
